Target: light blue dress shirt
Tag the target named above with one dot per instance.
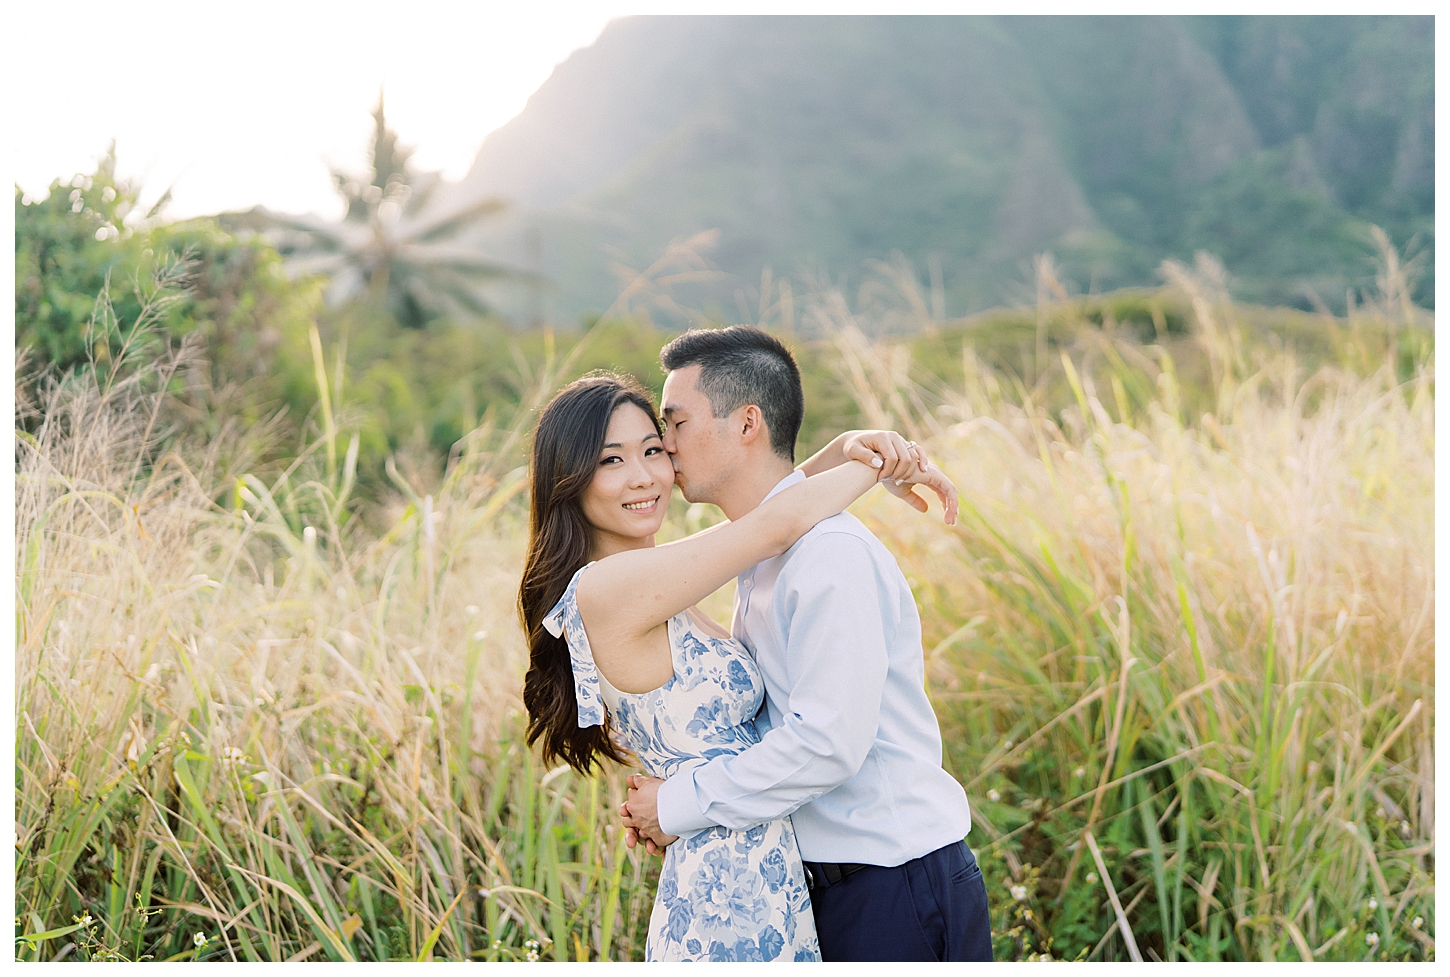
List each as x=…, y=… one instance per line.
x=850, y=747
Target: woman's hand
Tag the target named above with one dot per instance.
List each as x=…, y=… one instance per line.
x=902, y=464
x=899, y=457
x=933, y=479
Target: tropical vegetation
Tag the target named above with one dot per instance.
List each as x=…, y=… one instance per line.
x=397, y=241
x=1181, y=644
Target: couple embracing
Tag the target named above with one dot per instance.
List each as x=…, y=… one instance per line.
x=795, y=789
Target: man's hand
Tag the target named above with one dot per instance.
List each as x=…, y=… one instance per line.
x=640, y=813
x=933, y=479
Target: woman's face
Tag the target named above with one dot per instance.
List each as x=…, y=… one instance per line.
x=626, y=500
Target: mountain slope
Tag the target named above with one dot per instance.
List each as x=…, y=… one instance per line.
x=814, y=144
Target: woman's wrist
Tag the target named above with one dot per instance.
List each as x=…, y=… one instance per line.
x=831, y=456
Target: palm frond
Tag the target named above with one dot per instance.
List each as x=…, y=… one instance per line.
x=334, y=234
x=425, y=272
x=463, y=261
x=346, y=283
x=450, y=224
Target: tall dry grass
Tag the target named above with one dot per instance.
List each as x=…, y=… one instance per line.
x=246, y=729
x=1183, y=666
x=1186, y=664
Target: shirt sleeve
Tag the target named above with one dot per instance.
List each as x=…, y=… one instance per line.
x=836, y=663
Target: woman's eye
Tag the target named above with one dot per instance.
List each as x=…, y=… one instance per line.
x=610, y=459
x=653, y=450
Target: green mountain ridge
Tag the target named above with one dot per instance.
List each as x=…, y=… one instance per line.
x=814, y=144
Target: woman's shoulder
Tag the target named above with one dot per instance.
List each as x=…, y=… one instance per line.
x=567, y=605
x=584, y=592
x=571, y=592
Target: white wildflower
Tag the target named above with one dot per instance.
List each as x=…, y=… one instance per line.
x=1404, y=829
x=1019, y=892
x=199, y=939
x=1379, y=812
x=1374, y=904
x=470, y=610
x=1351, y=827
x=233, y=755
x=1417, y=922
x=993, y=796
x=1092, y=877
x=1007, y=745
x=1079, y=772
x=1373, y=939
x=479, y=635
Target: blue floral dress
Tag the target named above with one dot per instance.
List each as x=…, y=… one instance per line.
x=723, y=894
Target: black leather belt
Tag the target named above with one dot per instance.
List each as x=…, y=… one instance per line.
x=819, y=875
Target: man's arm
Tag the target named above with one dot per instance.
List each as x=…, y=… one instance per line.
x=836, y=660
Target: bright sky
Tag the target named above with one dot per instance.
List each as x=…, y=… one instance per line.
x=236, y=104
x=244, y=103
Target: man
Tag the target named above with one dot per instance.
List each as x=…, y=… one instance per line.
x=850, y=747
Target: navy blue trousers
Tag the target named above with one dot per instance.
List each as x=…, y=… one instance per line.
x=931, y=908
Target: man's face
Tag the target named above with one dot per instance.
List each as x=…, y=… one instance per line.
x=694, y=437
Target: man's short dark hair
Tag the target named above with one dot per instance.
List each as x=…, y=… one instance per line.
x=742, y=365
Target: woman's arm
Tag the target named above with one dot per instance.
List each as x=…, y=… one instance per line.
x=898, y=454
x=630, y=593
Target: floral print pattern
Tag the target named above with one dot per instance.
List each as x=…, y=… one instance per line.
x=559, y=622
x=723, y=894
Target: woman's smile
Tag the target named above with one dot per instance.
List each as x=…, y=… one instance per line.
x=634, y=474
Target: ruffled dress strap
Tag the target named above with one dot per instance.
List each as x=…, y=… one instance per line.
x=564, y=622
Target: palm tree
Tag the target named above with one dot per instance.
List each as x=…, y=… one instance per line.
x=397, y=243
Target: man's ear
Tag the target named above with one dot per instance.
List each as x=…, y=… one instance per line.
x=750, y=424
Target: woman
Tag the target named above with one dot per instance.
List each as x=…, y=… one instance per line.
x=678, y=689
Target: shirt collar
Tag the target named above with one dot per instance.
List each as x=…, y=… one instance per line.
x=785, y=483
x=793, y=478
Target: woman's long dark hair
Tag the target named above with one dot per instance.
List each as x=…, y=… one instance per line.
x=567, y=442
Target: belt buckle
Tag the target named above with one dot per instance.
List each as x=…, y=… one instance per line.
x=810, y=876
